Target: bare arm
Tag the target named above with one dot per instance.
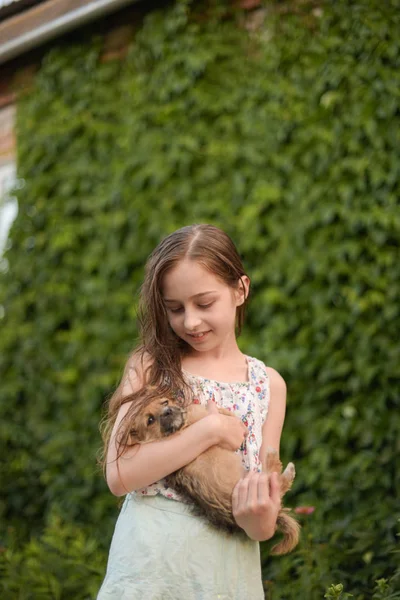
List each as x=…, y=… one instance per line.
x=142, y=465
x=256, y=498
x=272, y=428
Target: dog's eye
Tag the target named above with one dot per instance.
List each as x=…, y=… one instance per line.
x=164, y=403
x=150, y=420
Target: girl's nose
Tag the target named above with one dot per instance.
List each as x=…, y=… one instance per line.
x=192, y=320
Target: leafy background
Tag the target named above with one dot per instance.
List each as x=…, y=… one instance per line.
x=282, y=126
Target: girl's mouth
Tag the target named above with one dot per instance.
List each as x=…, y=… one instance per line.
x=198, y=337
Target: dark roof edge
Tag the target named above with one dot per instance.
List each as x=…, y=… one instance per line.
x=50, y=26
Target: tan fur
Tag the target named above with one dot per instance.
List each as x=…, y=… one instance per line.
x=208, y=481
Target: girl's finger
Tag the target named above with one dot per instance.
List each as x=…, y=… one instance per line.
x=252, y=492
x=235, y=498
x=242, y=490
x=274, y=488
x=212, y=407
x=263, y=488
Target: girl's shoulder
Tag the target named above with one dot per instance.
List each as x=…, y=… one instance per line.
x=255, y=363
x=275, y=379
x=135, y=372
x=257, y=366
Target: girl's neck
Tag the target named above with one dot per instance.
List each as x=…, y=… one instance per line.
x=224, y=366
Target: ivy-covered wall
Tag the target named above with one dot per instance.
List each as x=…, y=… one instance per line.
x=282, y=127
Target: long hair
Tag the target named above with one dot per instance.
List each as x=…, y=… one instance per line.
x=158, y=356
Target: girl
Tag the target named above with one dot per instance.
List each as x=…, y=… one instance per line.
x=191, y=309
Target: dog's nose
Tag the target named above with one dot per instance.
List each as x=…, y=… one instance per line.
x=167, y=412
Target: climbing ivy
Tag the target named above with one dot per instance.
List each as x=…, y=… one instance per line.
x=282, y=126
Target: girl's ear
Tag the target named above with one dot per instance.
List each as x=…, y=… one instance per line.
x=242, y=291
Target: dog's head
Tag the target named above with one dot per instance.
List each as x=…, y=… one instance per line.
x=158, y=419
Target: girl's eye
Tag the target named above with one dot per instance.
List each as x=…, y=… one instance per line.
x=150, y=420
x=180, y=309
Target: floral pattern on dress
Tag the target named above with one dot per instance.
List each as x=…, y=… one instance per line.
x=249, y=400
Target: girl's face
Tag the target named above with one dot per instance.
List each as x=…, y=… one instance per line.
x=201, y=307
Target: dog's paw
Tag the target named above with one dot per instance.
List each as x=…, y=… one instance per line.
x=272, y=462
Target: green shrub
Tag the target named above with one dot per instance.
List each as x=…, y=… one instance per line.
x=65, y=562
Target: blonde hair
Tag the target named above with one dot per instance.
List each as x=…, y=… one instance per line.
x=160, y=350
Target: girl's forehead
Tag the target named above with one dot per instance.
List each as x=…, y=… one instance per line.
x=189, y=278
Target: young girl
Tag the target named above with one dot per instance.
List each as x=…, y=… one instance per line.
x=192, y=308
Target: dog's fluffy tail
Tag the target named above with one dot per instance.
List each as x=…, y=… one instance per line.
x=291, y=531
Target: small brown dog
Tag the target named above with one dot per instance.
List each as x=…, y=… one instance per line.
x=208, y=481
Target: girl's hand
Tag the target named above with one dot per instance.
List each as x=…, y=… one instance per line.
x=230, y=430
x=256, y=503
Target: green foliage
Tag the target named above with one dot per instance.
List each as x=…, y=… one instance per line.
x=286, y=137
x=383, y=590
x=64, y=563
x=386, y=590
x=335, y=592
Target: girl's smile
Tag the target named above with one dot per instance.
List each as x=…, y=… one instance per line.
x=199, y=337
